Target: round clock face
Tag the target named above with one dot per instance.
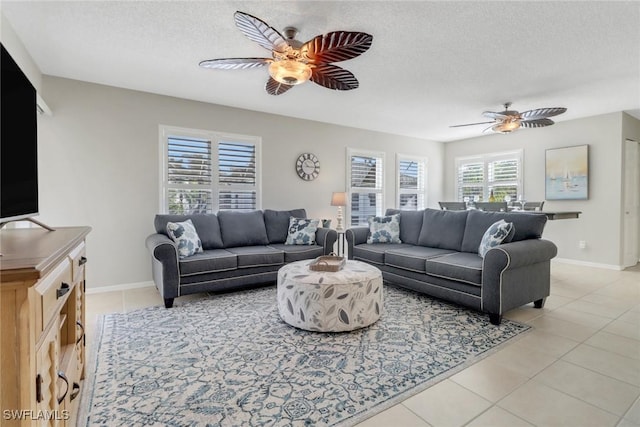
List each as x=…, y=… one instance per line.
x=308, y=166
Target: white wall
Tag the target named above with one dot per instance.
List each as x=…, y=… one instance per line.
x=99, y=165
x=600, y=222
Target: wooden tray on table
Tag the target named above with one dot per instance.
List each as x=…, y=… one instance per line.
x=330, y=263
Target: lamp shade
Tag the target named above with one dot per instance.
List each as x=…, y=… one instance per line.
x=339, y=199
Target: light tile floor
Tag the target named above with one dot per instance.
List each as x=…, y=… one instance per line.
x=580, y=366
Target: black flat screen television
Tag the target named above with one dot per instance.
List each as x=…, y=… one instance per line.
x=18, y=143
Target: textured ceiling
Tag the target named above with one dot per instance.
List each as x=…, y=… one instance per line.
x=431, y=65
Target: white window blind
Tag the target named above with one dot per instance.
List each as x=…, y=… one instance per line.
x=366, y=189
x=236, y=176
x=503, y=178
x=470, y=180
x=477, y=176
x=206, y=172
x=411, y=179
x=189, y=175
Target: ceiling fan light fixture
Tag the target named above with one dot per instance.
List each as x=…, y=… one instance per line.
x=290, y=72
x=508, y=121
x=507, y=126
x=293, y=62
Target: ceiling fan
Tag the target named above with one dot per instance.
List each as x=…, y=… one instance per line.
x=508, y=121
x=293, y=62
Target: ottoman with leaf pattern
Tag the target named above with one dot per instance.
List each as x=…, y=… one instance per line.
x=323, y=301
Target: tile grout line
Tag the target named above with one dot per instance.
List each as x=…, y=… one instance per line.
x=578, y=398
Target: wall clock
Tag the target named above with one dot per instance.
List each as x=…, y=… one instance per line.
x=308, y=166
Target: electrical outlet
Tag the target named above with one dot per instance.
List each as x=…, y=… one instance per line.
x=582, y=244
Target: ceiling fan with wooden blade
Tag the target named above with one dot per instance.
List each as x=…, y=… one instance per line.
x=508, y=121
x=293, y=62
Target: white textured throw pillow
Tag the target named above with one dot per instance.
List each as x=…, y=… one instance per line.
x=384, y=229
x=185, y=235
x=302, y=231
x=494, y=236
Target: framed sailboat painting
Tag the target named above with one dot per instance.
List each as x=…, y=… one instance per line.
x=567, y=173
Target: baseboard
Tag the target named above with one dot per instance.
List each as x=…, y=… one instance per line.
x=589, y=264
x=122, y=287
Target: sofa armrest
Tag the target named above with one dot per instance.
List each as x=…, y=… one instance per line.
x=326, y=238
x=516, y=273
x=521, y=253
x=355, y=236
x=164, y=265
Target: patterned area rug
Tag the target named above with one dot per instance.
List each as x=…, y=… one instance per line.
x=229, y=360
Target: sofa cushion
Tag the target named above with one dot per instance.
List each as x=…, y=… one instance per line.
x=443, y=229
x=242, y=228
x=374, y=252
x=256, y=256
x=207, y=227
x=497, y=233
x=461, y=266
x=412, y=257
x=384, y=229
x=186, y=238
x=526, y=226
x=210, y=261
x=277, y=223
x=298, y=252
x=302, y=231
x=410, y=224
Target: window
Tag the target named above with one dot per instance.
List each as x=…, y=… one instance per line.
x=189, y=178
x=477, y=176
x=204, y=172
x=236, y=175
x=411, y=182
x=365, y=171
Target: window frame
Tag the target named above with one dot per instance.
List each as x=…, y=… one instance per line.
x=215, y=138
x=486, y=159
x=421, y=191
x=379, y=189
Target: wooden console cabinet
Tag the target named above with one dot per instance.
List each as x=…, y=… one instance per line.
x=42, y=318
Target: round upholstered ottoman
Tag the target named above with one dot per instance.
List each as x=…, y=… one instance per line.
x=344, y=300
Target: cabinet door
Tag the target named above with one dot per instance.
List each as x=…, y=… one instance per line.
x=78, y=260
x=80, y=341
x=47, y=389
x=68, y=393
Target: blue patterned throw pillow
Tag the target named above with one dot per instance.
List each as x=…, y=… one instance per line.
x=302, y=231
x=185, y=235
x=384, y=229
x=494, y=236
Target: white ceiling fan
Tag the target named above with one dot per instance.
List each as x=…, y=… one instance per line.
x=293, y=62
x=508, y=121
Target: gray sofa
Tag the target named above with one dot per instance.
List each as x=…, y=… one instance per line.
x=241, y=249
x=439, y=257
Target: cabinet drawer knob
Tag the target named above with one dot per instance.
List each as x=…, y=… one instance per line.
x=64, y=288
x=82, y=260
x=38, y=388
x=75, y=391
x=79, y=323
x=63, y=377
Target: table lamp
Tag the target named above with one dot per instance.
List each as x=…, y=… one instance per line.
x=339, y=199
